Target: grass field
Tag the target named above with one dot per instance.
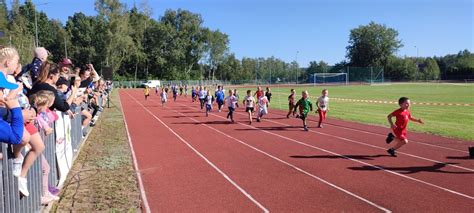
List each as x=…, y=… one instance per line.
x=448, y=121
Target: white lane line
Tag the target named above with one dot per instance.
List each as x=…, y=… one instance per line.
x=378, y=147
x=290, y=165
x=355, y=160
x=378, y=134
x=204, y=158
x=135, y=163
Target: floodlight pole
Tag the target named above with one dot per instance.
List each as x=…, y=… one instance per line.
x=296, y=60
x=36, y=25
x=417, y=68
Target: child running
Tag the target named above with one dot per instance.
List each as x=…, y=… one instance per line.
x=202, y=96
x=291, y=103
x=262, y=107
x=219, y=97
x=175, y=93
x=147, y=92
x=231, y=102
x=268, y=93
x=193, y=94
x=209, y=100
x=249, y=101
x=164, y=97
x=399, y=130
x=323, y=107
x=236, y=98
x=305, y=106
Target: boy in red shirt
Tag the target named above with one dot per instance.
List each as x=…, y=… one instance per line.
x=399, y=129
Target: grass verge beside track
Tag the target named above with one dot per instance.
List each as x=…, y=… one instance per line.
x=102, y=177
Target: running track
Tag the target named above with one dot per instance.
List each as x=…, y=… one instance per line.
x=191, y=163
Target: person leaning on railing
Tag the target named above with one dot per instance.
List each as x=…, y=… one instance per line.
x=11, y=133
x=49, y=75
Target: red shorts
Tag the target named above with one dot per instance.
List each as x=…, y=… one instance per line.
x=31, y=128
x=400, y=133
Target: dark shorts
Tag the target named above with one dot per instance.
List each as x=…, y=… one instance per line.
x=249, y=109
x=220, y=102
x=208, y=107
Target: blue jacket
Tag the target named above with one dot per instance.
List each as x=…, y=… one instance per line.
x=220, y=95
x=13, y=133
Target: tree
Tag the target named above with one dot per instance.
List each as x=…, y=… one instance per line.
x=4, y=23
x=22, y=38
x=82, y=30
x=117, y=39
x=216, y=46
x=184, y=42
x=401, y=69
x=372, y=45
x=431, y=70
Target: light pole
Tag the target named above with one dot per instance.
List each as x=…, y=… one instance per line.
x=416, y=77
x=36, y=25
x=296, y=60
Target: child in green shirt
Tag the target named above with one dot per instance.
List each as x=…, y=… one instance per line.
x=305, y=106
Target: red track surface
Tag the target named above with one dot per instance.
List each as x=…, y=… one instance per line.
x=192, y=163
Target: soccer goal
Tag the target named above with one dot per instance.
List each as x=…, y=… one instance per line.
x=329, y=78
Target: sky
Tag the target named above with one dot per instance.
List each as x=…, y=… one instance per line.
x=313, y=30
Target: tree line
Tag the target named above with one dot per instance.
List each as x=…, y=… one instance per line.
x=179, y=46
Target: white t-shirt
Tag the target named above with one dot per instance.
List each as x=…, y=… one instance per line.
x=262, y=102
x=202, y=94
x=163, y=95
x=209, y=100
x=231, y=100
x=10, y=79
x=249, y=101
x=262, y=105
x=323, y=102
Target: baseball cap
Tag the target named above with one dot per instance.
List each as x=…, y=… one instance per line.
x=5, y=84
x=66, y=61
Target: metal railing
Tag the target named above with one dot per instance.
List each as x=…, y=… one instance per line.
x=10, y=199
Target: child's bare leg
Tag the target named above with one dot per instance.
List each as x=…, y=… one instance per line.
x=400, y=143
x=24, y=141
x=88, y=117
x=37, y=148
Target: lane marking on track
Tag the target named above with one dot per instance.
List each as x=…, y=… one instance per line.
x=382, y=135
x=348, y=158
x=135, y=163
x=203, y=157
x=378, y=147
x=290, y=165
x=412, y=141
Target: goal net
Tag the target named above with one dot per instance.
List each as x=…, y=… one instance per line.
x=329, y=78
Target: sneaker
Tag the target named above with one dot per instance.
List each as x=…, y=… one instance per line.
x=46, y=200
x=392, y=152
x=389, y=138
x=17, y=164
x=297, y=116
x=23, y=186
x=320, y=126
x=258, y=119
x=54, y=197
x=306, y=128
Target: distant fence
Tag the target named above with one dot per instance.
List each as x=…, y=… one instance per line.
x=10, y=200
